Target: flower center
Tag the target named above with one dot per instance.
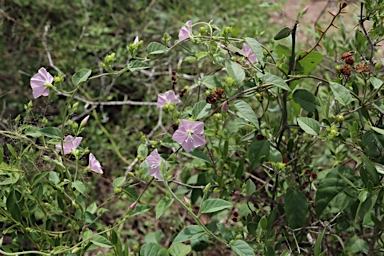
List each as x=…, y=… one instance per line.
x=189, y=134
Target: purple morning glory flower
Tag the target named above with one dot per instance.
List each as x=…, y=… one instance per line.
x=250, y=55
x=38, y=82
x=168, y=97
x=190, y=135
x=185, y=31
x=94, y=164
x=154, y=161
x=69, y=144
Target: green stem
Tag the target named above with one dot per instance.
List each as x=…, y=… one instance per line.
x=193, y=215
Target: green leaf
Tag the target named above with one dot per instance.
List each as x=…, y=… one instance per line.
x=258, y=152
x=275, y=80
x=12, y=204
x=142, y=150
x=247, y=112
x=33, y=132
x=214, y=205
x=81, y=76
x=12, y=150
x=250, y=187
x=283, y=33
x=156, y=48
x=101, y=241
x=190, y=232
x=235, y=71
x=309, y=125
x=378, y=130
x=305, y=99
x=373, y=176
x=179, y=249
x=79, y=186
x=310, y=62
x=118, y=182
x=332, y=189
x=135, y=65
x=211, y=82
x=269, y=4
x=341, y=93
x=256, y=48
x=51, y=132
x=296, y=208
x=139, y=209
x=241, y=248
x=200, y=110
x=153, y=249
x=198, y=154
x=319, y=240
x=367, y=205
x=372, y=144
x=58, y=249
x=376, y=83
x=54, y=177
x=275, y=155
x=161, y=206
x=8, y=175
x=379, y=168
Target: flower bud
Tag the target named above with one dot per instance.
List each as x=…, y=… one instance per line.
x=84, y=121
x=109, y=58
x=133, y=205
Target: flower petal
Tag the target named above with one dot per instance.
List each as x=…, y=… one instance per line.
x=185, y=31
x=180, y=136
x=153, y=162
x=94, y=164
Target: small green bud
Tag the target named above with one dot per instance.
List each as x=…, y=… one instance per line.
x=281, y=166
x=17, y=119
x=378, y=65
x=58, y=79
x=229, y=81
x=44, y=121
x=216, y=190
x=203, y=30
x=166, y=38
x=207, y=92
x=30, y=104
x=110, y=58
x=339, y=118
x=226, y=31
x=207, y=188
x=117, y=190
x=218, y=116
x=334, y=133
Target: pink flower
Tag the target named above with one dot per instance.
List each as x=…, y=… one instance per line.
x=248, y=52
x=38, y=82
x=190, y=135
x=69, y=144
x=185, y=31
x=154, y=161
x=168, y=97
x=94, y=165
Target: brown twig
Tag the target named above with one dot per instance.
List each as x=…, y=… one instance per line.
x=331, y=24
